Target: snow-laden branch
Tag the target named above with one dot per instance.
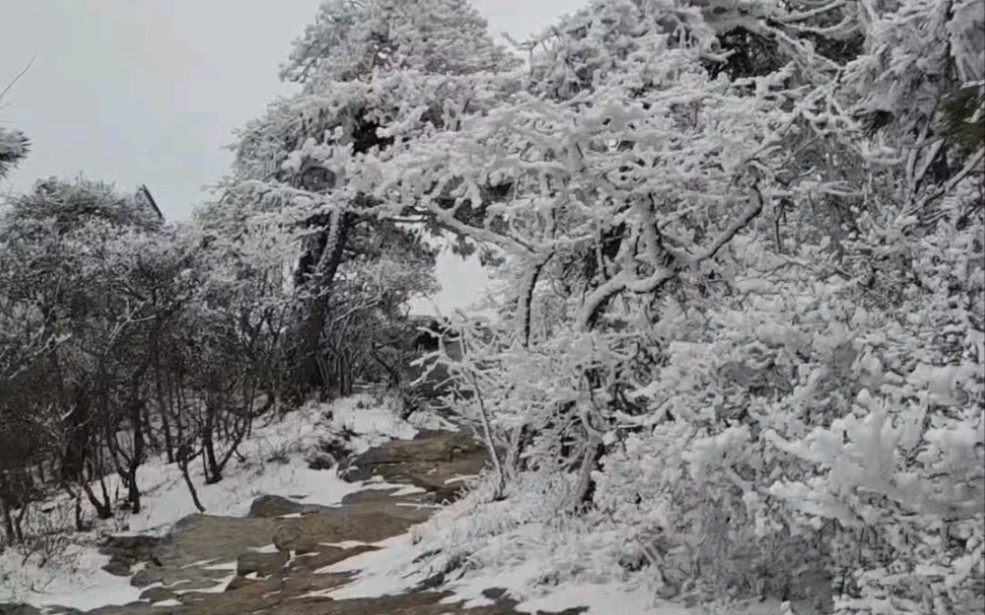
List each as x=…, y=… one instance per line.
x=625, y=280
x=802, y=15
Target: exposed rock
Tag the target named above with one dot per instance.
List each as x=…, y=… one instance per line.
x=329, y=450
x=287, y=536
x=264, y=564
x=125, y=551
x=326, y=556
x=219, y=539
x=434, y=460
x=117, y=568
x=194, y=558
x=369, y=496
x=427, y=446
x=240, y=582
x=267, y=506
x=157, y=594
x=147, y=576
x=319, y=460
x=131, y=544
x=133, y=608
x=307, y=533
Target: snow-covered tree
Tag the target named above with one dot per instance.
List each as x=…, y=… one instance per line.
x=724, y=226
x=88, y=285
x=372, y=74
x=13, y=149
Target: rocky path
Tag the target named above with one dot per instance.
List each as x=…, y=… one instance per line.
x=268, y=561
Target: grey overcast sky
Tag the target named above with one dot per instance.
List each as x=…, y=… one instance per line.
x=150, y=91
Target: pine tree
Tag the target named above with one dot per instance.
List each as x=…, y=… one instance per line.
x=373, y=75
x=13, y=149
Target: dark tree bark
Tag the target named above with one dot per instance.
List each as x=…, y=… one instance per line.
x=319, y=286
x=104, y=508
x=78, y=435
x=8, y=518
x=136, y=418
x=184, y=458
x=212, y=475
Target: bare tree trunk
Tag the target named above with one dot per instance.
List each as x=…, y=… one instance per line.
x=113, y=448
x=164, y=406
x=183, y=461
x=5, y=506
x=213, y=473
x=514, y=460
x=526, y=308
x=19, y=520
x=107, y=501
x=104, y=509
x=77, y=436
x=235, y=440
x=168, y=443
x=391, y=370
x=150, y=434
x=500, y=490
x=79, y=517
x=136, y=458
x=586, y=486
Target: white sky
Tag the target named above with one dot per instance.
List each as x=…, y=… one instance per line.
x=150, y=91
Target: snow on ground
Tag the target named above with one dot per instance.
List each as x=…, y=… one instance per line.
x=75, y=580
x=430, y=420
x=274, y=464
x=374, y=423
x=477, y=545
x=601, y=600
x=219, y=586
x=385, y=572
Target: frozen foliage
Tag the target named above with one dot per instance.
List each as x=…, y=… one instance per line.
x=741, y=336
x=738, y=354
x=371, y=73
x=351, y=38
x=13, y=148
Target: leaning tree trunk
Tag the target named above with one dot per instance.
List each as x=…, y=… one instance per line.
x=184, y=458
x=318, y=285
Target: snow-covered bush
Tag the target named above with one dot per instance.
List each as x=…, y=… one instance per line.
x=13, y=148
x=742, y=313
x=739, y=248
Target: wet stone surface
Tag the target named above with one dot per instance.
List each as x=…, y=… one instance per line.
x=266, y=563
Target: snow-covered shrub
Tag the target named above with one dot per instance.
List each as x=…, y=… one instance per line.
x=900, y=474
x=742, y=300
x=330, y=443
x=14, y=147
x=49, y=533
x=822, y=431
